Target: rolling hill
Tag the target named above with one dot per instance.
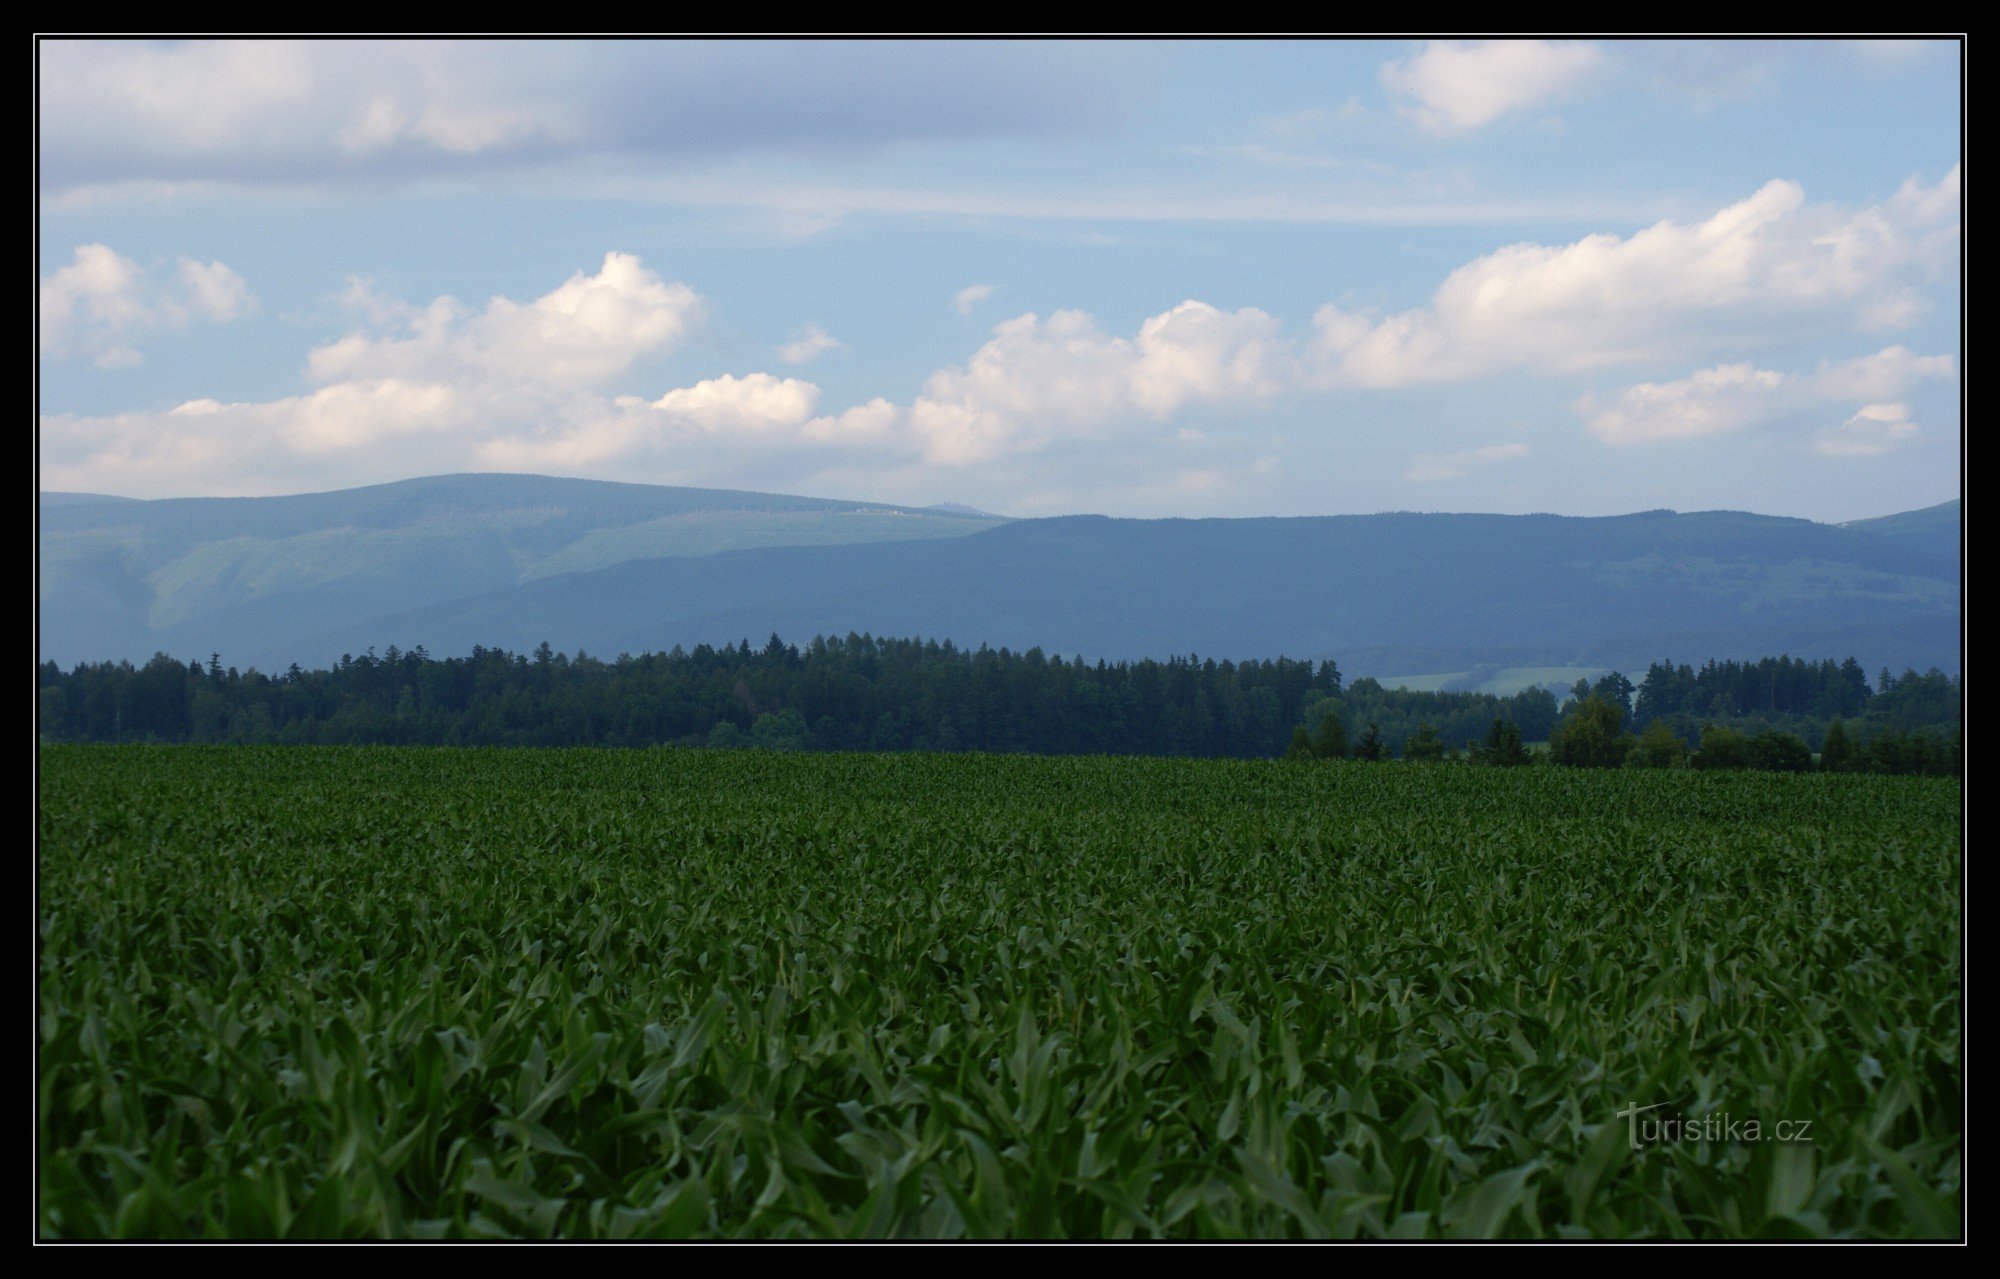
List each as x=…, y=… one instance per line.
x=511, y=561
x=123, y=578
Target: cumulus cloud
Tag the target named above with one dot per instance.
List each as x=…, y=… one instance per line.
x=1454, y=87
x=758, y=402
x=213, y=291
x=808, y=346
x=427, y=387
x=588, y=329
x=1733, y=397
x=1036, y=378
x=1873, y=430
x=90, y=305
x=207, y=446
x=971, y=296
x=1709, y=402
x=1427, y=468
x=1769, y=266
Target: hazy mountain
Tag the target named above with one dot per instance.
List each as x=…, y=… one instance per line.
x=515, y=560
x=79, y=499
x=1936, y=529
x=263, y=575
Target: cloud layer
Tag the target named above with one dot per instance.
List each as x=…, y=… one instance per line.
x=277, y=112
x=560, y=382
x=100, y=301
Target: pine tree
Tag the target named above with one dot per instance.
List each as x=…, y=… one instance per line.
x=1503, y=746
x=1423, y=745
x=1371, y=748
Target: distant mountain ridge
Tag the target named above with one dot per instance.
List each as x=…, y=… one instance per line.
x=515, y=560
x=124, y=578
x=79, y=499
x=1937, y=529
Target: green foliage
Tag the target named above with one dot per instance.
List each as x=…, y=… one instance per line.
x=1372, y=748
x=869, y=693
x=1454, y=715
x=860, y=692
x=1503, y=747
x=1897, y=752
x=1659, y=747
x=1424, y=745
x=1592, y=736
x=1330, y=740
x=337, y=992
x=1722, y=747
x=1777, y=752
x=1836, y=752
x=1615, y=688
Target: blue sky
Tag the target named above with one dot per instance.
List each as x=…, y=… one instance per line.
x=1139, y=279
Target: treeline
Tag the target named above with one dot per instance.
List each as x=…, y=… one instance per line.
x=1772, y=685
x=1906, y=724
x=868, y=693
x=1398, y=714
x=857, y=693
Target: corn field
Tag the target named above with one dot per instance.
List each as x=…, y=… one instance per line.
x=380, y=992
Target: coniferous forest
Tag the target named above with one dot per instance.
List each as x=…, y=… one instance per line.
x=868, y=693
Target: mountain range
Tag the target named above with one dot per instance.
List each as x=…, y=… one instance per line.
x=514, y=560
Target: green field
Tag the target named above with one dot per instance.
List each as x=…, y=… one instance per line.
x=363, y=992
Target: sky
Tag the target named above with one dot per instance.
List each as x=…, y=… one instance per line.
x=1141, y=279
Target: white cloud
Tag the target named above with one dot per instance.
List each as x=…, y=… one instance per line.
x=1454, y=87
x=971, y=296
x=423, y=388
x=808, y=346
x=206, y=446
x=590, y=328
x=371, y=305
x=873, y=424
x=1426, y=468
x=1709, y=402
x=1734, y=397
x=1763, y=269
x=1917, y=205
x=98, y=288
x=546, y=384
x=101, y=296
x=214, y=291
x=1889, y=372
x=1873, y=430
x=758, y=402
x=1038, y=378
